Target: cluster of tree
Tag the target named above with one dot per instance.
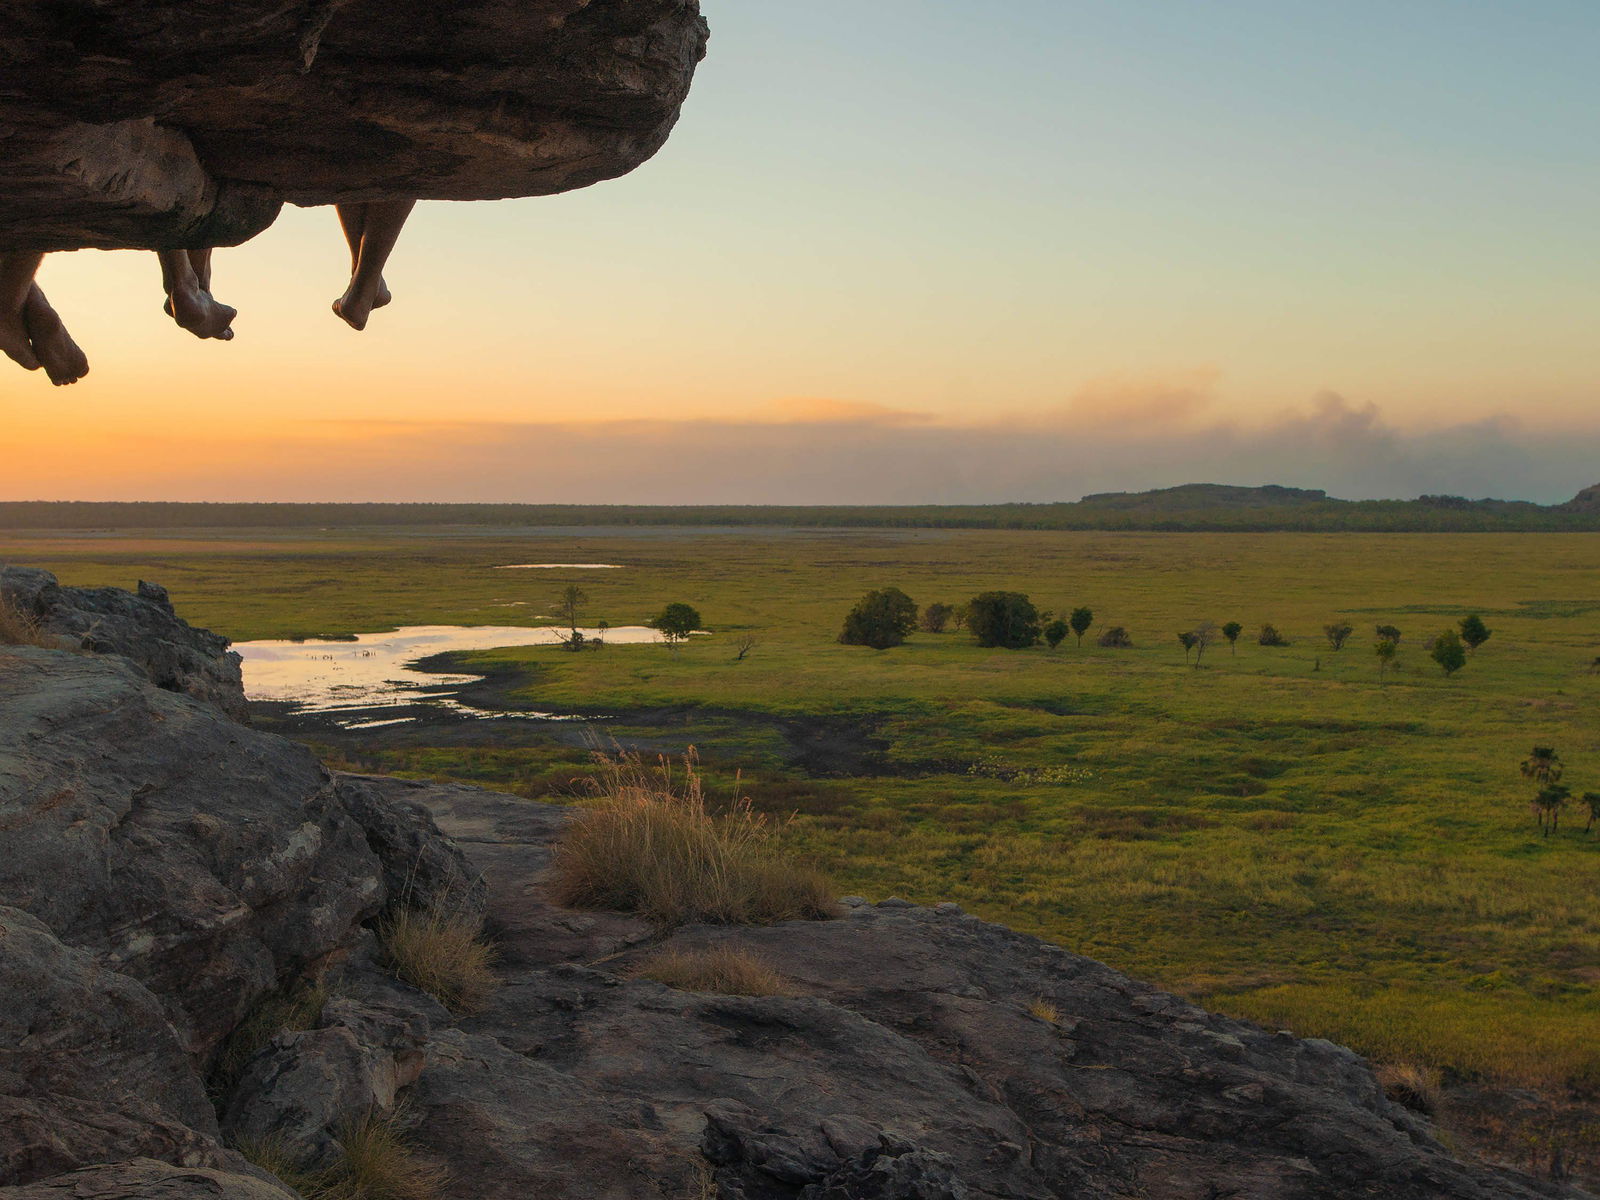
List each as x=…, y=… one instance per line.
x=1545, y=768
x=1452, y=647
x=1008, y=620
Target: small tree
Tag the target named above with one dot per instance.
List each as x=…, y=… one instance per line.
x=1080, y=620
x=960, y=615
x=1231, y=631
x=880, y=619
x=1004, y=619
x=1448, y=652
x=935, y=617
x=1389, y=633
x=1591, y=801
x=1474, y=632
x=1269, y=636
x=1543, y=766
x=1186, y=640
x=676, y=622
x=1338, y=634
x=1204, y=634
x=569, y=606
x=601, y=628
x=745, y=644
x=1547, y=806
x=1385, y=650
x=1055, y=633
x=1116, y=638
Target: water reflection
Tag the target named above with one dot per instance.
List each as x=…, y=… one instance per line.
x=376, y=671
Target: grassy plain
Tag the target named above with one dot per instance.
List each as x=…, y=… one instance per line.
x=1276, y=834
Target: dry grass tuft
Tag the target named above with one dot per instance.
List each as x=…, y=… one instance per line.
x=651, y=845
x=297, y=1008
x=723, y=970
x=442, y=953
x=377, y=1164
x=18, y=628
x=1044, y=1010
x=1411, y=1084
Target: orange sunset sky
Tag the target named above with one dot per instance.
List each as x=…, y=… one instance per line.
x=921, y=251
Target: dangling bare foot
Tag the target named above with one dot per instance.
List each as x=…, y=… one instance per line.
x=14, y=341
x=357, y=303
x=60, y=356
x=200, y=313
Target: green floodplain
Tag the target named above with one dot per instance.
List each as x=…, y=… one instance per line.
x=1277, y=834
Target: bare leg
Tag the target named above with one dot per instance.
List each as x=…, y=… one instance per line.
x=16, y=281
x=379, y=225
x=189, y=301
x=56, y=351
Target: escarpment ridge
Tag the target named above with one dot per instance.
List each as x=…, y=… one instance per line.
x=169, y=873
x=168, y=124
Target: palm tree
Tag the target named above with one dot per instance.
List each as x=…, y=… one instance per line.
x=1591, y=801
x=1543, y=766
x=1548, y=805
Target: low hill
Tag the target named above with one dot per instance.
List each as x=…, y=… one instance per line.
x=1195, y=507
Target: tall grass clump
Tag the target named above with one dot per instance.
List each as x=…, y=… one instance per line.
x=650, y=844
x=376, y=1163
x=18, y=628
x=442, y=952
x=722, y=970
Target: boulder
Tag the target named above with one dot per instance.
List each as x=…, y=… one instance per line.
x=116, y=1081
x=139, y=626
x=208, y=861
x=147, y=1179
x=153, y=124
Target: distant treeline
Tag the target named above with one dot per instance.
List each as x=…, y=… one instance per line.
x=1194, y=508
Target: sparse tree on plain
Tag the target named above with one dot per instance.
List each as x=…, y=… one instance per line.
x=1004, y=619
x=1055, y=633
x=1231, y=631
x=1547, y=806
x=935, y=617
x=1543, y=766
x=1591, y=801
x=1448, y=652
x=676, y=622
x=1338, y=633
x=1186, y=640
x=1385, y=649
x=570, y=605
x=1474, y=632
x=1080, y=620
x=960, y=616
x=1269, y=636
x=880, y=619
x=1117, y=638
x=1204, y=634
x=601, y=628
x=1389, y=633
x=742, y=647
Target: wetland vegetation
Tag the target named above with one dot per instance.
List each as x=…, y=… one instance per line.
x=1333, y=840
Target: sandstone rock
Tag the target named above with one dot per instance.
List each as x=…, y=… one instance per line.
x=306, y=1085
x=206, y=860
x=142, y=628
x=116, y=1083
x=166, y=123
x=420, y=868
x=146, y=1179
